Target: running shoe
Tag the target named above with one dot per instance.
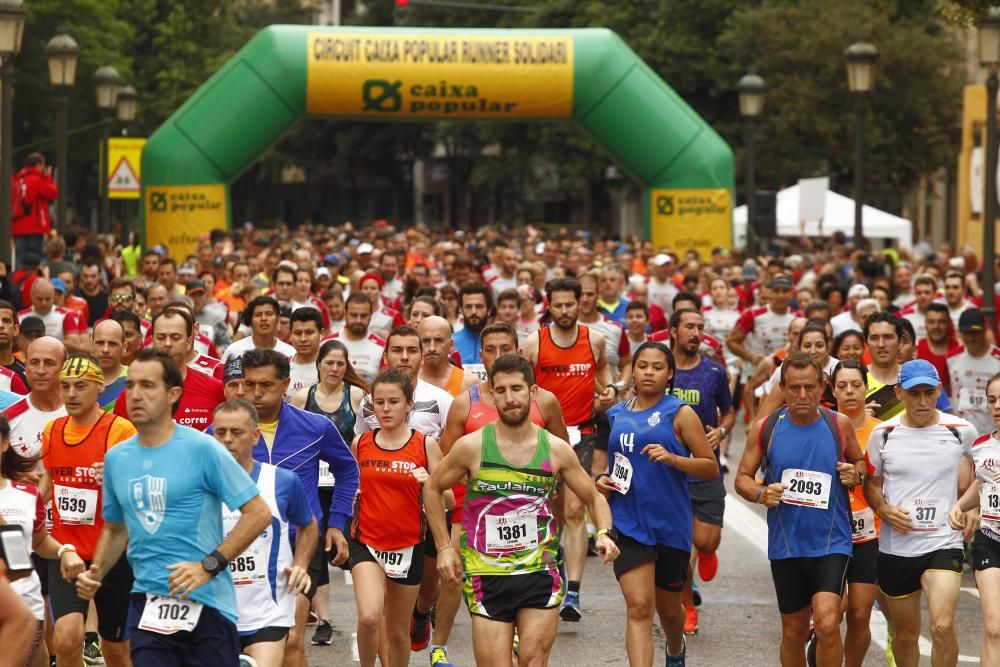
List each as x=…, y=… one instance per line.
x=695, y=593
x=571, y=608
x=439, y=658
x=92, y=654
x=724, y=464
x=708, y=565
x=690, y=621
x=811, y=650
x=516, y=647
x=247, y=661
x=323, y=634
x=420, y=632
x=677, y=660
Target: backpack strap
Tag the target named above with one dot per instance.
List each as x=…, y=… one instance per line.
x=830, y=417
x=765, y=436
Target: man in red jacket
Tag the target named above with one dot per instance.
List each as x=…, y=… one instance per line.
x=32, y=190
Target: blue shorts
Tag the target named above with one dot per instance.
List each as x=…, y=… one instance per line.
x=214, y=642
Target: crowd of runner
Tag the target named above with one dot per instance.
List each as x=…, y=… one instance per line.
x=190, y=443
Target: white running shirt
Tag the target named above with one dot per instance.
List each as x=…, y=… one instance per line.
x=986, y=456
x=919, y=468
x=244, y=345
x=300, y=377
x=365, y=354
x=969, y=376
x=430, y=409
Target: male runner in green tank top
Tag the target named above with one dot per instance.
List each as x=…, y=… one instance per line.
x=510, y=539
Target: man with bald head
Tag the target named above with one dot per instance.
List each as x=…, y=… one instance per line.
x=110, y=348
x=28, y=417
x=61, y=323
x=435, y=336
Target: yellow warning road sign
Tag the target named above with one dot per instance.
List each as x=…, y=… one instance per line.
x=124, y=158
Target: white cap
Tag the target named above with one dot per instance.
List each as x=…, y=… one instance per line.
x=957, y=263
x=365, y=249
x=661, y=259
x=322, y=271
x=858, y=290
x=540, y=248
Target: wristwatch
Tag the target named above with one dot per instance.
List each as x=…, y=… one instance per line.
x=724, y=431
x=214, y=563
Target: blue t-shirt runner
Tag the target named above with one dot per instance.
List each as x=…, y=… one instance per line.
x=170, y=499
x=706, y=389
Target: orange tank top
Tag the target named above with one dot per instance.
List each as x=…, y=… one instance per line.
x=569, y=373
x=76, y=495
x=481, y=414
x=454, y=384
x=387, y=512
x=865, y=523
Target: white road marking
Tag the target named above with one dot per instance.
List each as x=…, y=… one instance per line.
x=753, y=529
x=348, y=579
x=354, y=647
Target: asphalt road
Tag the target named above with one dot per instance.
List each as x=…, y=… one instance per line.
x=739, y=622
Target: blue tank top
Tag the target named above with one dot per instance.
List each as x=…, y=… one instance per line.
x=795, y=531
x=656, y=511
x=343, y=417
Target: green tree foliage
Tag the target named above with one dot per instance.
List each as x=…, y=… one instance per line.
x=167, y=48
x=808, y=123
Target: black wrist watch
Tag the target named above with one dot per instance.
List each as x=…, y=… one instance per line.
x=214, y=563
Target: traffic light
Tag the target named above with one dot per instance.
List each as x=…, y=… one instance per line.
x=401, y=12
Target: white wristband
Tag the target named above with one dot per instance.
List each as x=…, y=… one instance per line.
x=64, y=548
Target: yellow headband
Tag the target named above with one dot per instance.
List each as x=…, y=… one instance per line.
x=79, y=368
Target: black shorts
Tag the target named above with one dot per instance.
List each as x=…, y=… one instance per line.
x=708, y=501
x=269, y=634
x=361, y=554
x=985, y=552
x=797, y=580
x=111, y=600
x=325, y=498
x=585, y=451
x=431, y=549
x=42, y=570
x=899, y=576
x=213, y=642
x=603, y=432
x=500, y=597
x=671, y=564
x=319, y=572
x=863, y=568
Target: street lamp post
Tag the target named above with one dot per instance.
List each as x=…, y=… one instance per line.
x=62, y=52
x=861, y=58
x=989, y=57
x=751, y=89
x=126, y=106
x=11, y=33
x=106, y=81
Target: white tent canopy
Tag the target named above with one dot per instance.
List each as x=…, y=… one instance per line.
x=839, y=217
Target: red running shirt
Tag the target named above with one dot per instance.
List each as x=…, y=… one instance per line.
x=569, y=373
x=387, y=513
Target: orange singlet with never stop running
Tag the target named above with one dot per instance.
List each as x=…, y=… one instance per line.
x=569, y=373
x=388, y=513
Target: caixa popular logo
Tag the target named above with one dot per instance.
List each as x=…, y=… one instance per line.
x=442, y=97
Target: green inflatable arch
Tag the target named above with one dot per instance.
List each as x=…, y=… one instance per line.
x=589, y=76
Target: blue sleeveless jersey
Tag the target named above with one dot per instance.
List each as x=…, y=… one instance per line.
x=657, y=508
x=795, y=531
